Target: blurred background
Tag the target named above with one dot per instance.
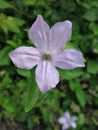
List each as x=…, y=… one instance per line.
x=77, y=91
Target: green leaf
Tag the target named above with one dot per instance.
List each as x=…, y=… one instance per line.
x=92, y=66
x=30, y=122
x=72, y=85
x=10, y=106
x=81, y=119
x=91, y=15
x=29, y=2
x=19, y=22
x=23, y=72
x=4, y=59
x=76, y=87
x=71, y=45
x=5, y=5
x=70, y=74
x=11, y=43
x=94, y=3
x=33, y=95
x=12, y=26
x=8, y=23
x=80, y=95
x=94, y=27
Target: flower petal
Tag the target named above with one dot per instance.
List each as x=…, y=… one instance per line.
x=67, y=115
x=64, y=122
x=69, y=59
x=65, y=126
x=61, y=120
x=73, y=124
x=60, y=34
x=25, y=57
x=39, y=33
x=47, y=76
x=74, y=118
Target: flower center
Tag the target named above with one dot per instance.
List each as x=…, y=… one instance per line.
x=46, y=57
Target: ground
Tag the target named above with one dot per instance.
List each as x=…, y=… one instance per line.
x=10, y=125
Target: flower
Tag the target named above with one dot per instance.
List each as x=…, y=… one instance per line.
x=48, y=53
x=67, y=121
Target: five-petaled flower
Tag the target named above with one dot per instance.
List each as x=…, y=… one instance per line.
x=48, y=53
x=67, y=121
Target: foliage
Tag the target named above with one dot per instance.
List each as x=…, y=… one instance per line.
x=77, y=91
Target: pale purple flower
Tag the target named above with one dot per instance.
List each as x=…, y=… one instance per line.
x=67, y=121
x=48, y=53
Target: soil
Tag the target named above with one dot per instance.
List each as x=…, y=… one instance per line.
x=5, y=124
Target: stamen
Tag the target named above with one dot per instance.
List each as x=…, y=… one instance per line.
x=46, y=57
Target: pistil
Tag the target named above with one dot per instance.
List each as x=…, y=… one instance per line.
x=46, y=57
